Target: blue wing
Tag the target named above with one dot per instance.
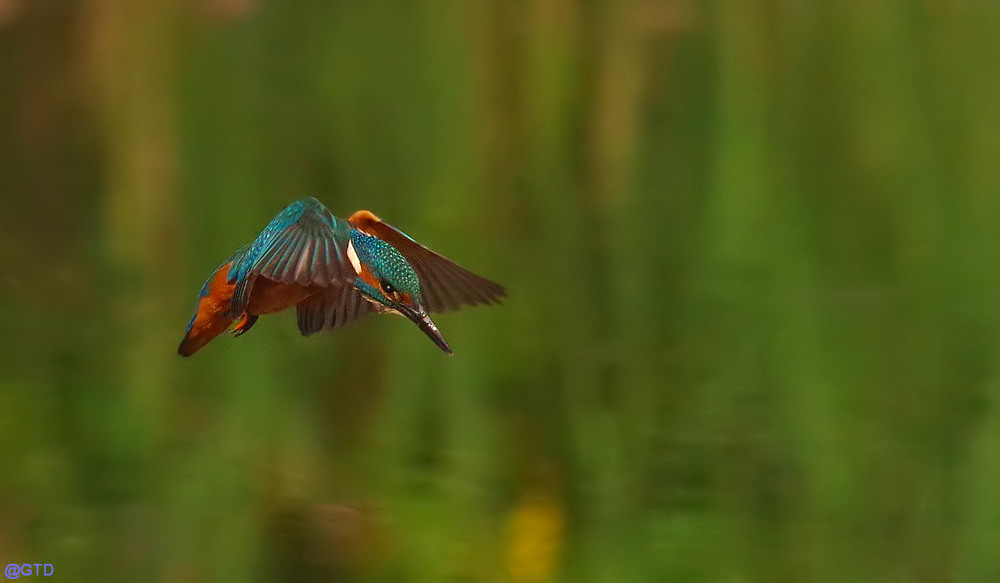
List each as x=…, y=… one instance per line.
x=304, y=245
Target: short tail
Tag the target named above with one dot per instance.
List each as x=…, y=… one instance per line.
x=198, y=337
x=211, y=314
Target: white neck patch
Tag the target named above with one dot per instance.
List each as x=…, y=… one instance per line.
x=352, y=255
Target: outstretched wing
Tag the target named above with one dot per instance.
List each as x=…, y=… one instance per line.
x=444, y=284
x=304, y=245
x=331, y=308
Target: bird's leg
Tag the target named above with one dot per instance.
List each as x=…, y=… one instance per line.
x=245, y=323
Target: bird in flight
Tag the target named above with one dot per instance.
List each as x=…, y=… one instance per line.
x=333, y=271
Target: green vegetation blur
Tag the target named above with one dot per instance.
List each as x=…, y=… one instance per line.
x=751, y=248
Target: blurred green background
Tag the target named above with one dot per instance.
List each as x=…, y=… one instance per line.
x=751, y=250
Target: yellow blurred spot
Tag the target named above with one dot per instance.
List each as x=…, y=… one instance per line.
x=534, y=540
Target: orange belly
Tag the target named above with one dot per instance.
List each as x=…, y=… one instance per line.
x=212, y=313
x=269, y=296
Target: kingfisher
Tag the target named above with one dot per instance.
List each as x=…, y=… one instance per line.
x=333, y=271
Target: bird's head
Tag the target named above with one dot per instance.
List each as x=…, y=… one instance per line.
x=388, y=279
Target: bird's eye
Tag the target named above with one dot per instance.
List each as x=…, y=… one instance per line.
x=387, y=288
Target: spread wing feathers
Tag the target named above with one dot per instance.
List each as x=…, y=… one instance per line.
x=335, y=307
x=305, y=245
x=445, y=284
x=306, y=253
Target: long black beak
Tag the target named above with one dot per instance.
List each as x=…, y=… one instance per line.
x=424, y=322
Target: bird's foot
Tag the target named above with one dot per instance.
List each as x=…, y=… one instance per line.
x=245, y=323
